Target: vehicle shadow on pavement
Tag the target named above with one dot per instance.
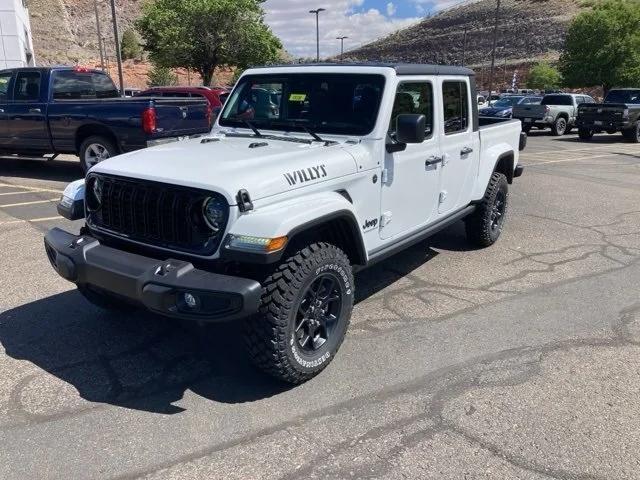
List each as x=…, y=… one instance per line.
x=139, y=360
x=147, y=362
x=56, y=170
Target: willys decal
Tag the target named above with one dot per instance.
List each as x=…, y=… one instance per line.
x=306, y=174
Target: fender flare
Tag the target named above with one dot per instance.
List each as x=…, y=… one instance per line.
x=296, y=217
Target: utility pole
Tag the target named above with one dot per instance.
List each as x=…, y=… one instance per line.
x=464, y=46
x=95, y=4
x=116, y=39
x=341, y=45
x=317, y=12
x=493, y=50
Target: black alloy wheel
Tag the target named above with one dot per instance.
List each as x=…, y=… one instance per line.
x=318, y=313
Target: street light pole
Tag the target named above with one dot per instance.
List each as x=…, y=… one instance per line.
x=493, y=50
x=464, y=46
x=95, y=4
x=341, y=45
x=317, y=12
x=116, y=39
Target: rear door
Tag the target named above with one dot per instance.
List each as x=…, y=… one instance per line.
x=459, y=144
x=5, y=85
x=27, y=113
x=410, y=191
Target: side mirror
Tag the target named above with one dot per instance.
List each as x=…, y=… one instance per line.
x=410, y=128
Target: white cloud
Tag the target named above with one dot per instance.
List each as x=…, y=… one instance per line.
x=291, y=21
x=391, y=9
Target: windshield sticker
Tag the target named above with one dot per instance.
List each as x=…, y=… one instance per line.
x=306, y=175
x=297, y=97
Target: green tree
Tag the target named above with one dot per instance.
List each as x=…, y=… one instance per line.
x=130, y=45
x=204, y=34
x=603, y=46
x=160, y=76
x=543, y=76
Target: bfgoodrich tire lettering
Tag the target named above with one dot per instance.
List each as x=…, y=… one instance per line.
x=484, y=226
x=287, y=339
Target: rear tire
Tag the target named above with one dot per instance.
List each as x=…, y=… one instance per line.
x=95, y=149
x=304, y=314
x=585, y=134
x=484, y=226
x=559, y=127
x=633, y=134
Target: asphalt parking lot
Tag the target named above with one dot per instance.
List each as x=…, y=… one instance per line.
x=518, y=361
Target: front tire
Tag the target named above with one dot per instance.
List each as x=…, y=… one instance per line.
x=559, y=127
x=94, y=150
x=484, y=226
x=304, y=314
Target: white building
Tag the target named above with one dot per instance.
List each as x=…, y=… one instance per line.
x=16, y=46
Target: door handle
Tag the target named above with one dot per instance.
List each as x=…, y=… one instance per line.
x=433, y=160
x=466, y=151
x=35, y=110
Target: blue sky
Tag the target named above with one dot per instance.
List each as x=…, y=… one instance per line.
x=361, y=20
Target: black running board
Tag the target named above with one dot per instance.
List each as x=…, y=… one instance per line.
x=417, y=237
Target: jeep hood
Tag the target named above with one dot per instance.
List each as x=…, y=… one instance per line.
x=226, y=164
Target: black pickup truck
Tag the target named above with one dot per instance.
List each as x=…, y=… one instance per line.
x=620, y=112
x=80, y=111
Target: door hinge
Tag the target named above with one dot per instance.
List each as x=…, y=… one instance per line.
x=442, y=197
x=385, y=218
x=384, y=176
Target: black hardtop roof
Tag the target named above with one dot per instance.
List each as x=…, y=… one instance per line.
x=400, y=68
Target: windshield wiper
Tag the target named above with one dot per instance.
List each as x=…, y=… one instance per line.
x=252, y=127
x=315, y=136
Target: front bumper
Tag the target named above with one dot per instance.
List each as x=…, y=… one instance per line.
x=158, y=285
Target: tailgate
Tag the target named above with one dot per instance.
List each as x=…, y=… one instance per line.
x=177, y=117
x=535, y=112
x=605, y=112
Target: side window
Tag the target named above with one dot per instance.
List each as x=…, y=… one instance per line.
x=70, y=85
x=456, y=107
x=104, y=86
x=5, y=78
x=27, y=86
x=413, y=98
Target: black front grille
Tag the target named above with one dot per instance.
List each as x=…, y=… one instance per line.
x=152, y=213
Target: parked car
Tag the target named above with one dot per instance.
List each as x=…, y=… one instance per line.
x=131, y=92
x=557, y=111
x=504, y=107
x=213, y=95
x=79, y=111
x=620, y=112
x=283, y=209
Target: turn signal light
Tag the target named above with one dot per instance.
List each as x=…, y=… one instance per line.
x=149, y=120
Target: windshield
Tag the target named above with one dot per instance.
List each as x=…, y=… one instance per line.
x=557, y=100
x=623, y=96
x=324, y=103
x=507, y=102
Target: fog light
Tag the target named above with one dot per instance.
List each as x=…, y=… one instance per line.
x=190, y=300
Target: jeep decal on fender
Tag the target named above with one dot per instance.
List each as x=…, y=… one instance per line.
x=306, y=174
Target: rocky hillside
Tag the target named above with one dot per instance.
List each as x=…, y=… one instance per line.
x=529, y=30
x=64, y=31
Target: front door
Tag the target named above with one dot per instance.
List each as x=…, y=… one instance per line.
x=410, y=190
x=459, y=146
x=27, y=114
x=5, y=81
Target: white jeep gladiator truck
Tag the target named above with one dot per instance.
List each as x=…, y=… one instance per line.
x=310, y=173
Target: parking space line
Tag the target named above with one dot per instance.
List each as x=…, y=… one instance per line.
x=29, y=203
x=31, y=189
x=24, y=191
x=31, y=220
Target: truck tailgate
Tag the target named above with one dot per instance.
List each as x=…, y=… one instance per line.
x=604, y=112
x=176, y=117
x=535, y=112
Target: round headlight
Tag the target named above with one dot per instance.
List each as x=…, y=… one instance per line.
x=94, y=199
x=214, y=213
